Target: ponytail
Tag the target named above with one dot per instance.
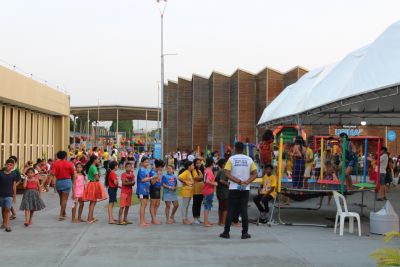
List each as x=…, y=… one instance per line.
x=111, y=167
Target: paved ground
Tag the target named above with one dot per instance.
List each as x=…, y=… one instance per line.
x=51, y=243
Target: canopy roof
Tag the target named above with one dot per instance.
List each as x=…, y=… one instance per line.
x=116, y=112
x=364, y=86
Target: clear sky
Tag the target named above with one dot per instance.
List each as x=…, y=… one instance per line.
x=111, y=49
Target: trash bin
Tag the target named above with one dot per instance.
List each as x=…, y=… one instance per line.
x=385, y=220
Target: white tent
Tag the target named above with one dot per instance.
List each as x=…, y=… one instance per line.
x=364, y=86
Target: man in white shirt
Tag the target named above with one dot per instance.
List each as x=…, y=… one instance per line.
x=382, y=173
x=241, y=171
x=179, y=158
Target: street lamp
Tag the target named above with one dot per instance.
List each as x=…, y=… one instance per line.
x=162, y=4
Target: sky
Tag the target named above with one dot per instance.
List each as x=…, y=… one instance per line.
x=109, y=51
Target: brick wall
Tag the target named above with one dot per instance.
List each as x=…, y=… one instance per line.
x=185, y=102
x=200, y=112
x=219, y=110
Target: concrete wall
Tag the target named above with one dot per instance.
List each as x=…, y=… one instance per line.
x=185, y=103
x=34, y=118
x=200, y=112
x=19, y=90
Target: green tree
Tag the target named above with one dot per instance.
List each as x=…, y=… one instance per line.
x=123, y=126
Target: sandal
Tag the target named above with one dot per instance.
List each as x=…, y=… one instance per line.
x=8, y=229
x=26, y=224
x=13, y=217
x=122, y=223
x=128, y=222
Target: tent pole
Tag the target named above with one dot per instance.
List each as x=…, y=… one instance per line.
x=342, y=176
x=321, y=160
x=365, y=160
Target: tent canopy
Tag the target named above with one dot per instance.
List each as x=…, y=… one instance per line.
x=364, y=86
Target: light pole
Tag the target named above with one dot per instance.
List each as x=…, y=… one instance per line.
x=162, y=4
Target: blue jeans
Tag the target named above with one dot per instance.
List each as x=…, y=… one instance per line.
x=208, y=201
x=63, y=185
x=6, y=202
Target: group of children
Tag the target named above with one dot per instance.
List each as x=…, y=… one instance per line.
x=154, y=185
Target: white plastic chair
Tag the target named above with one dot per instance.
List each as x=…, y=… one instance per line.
x=343, y=214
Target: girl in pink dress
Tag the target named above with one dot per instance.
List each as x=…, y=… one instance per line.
x=79, y=183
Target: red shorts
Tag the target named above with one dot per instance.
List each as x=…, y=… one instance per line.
x=125, y=200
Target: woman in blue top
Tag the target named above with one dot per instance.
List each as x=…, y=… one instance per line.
x=170, y=184
x=143, y=189
x=155, y=188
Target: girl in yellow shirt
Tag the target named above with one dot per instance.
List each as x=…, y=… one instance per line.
x=186, y=178
x=197, y=174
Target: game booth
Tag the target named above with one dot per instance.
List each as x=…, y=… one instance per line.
x=361, y=89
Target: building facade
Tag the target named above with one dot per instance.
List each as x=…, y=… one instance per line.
x=207, y=112
x=34, y=118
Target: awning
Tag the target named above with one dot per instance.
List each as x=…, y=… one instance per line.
x=364, y=86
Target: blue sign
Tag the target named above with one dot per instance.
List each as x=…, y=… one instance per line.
x=391, y=136
x=157, y=151
x=349, y=132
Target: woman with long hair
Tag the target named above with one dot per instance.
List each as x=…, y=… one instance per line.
x=198, y=185
x=297, y=154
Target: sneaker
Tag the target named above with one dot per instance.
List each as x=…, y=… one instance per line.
x=197, y=222
x=263, y=221
x=225, y=235
x=246, y=236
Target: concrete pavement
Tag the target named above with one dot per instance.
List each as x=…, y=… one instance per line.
x=51, y=243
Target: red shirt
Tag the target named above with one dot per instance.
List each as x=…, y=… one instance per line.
x=208, y=189
x=127, y=189
x=62, y=169
x=112, y=178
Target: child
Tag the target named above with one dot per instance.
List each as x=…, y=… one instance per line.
x=8, y=191
x=94, y=191
x=31, y=200
x=79, y=181
x=208, y=190
x=186, y=178
x=222, y=192
x=267, y=192
x=143, y=188
x=155, y=188
x=128, y=181
x=329, y=174
x=169, y=184
x=111, y=181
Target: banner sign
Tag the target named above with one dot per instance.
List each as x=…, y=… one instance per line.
x=157, y=151
x=349, y=131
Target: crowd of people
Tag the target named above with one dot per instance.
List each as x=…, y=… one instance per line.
x=76, y=175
